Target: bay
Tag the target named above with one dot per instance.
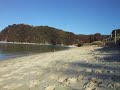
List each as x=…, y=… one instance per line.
x=9, y=50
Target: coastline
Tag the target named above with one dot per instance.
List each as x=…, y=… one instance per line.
x=23, y=43
x=4, y=42
x=24, y=55
x=4, y=56
x=75, y=68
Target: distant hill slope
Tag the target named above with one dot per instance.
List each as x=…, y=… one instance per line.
x=44, y=34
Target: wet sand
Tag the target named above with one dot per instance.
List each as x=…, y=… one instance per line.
x=79, y=68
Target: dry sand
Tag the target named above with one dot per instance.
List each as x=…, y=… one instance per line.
x=79, y=68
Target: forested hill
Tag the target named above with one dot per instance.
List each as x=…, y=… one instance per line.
x=44, y=34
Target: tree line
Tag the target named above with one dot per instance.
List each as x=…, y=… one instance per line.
x=45, y=35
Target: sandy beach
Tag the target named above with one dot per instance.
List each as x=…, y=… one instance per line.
x=79, y=68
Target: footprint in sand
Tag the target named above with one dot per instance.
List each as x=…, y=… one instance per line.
x=92, y=85
x=89, y=70
x=72, y=80
x=50, y=87
x=80, y=78
x=110, y=85
x=89, y=86
x=113, y=86
x=66, y=81
x=99, y=71
x=62, y=79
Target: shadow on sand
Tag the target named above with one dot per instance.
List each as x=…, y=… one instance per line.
x=106, y=69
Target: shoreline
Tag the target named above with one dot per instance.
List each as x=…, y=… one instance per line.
x=77, y=68
x=5, y=56
x=23, y=43
x=4, y=42
x=24, y=55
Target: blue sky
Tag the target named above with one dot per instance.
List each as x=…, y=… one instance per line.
x=78, y=16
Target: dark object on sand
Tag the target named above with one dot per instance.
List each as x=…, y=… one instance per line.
x=80, y=44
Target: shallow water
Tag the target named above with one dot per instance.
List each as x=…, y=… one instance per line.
x=13, y=50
